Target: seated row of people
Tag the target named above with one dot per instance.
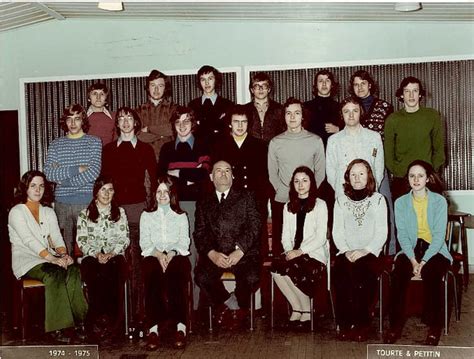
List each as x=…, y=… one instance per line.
x=227, y=238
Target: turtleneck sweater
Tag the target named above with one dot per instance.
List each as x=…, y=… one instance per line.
x=288, y=151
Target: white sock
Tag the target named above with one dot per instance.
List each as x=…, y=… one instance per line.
x=305, y=316
x=154, y=329
x=295, y=316
x=232, y=302
x=181, y=327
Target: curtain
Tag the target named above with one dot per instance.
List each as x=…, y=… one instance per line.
x=449, y=86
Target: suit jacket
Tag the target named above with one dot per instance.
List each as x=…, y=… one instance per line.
x=249, y=161
x=273, y=124
x=211, y=121
x=222, y=226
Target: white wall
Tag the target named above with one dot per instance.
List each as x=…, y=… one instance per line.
x=78, y=47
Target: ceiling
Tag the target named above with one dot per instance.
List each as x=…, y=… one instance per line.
x=14, y=14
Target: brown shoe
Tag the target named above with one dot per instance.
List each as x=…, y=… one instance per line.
x=179, y=340
x=238, y=318
x=153, y=342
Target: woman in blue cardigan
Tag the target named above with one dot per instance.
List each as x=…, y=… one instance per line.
x=421, y=217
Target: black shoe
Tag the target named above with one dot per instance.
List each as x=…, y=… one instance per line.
x=433, y=336
x=391, y=336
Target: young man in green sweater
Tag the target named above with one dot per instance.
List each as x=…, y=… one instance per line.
x=413, y=133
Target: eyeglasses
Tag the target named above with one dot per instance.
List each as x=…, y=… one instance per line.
x=260, y=87
x=184, y=122
x=123, y=118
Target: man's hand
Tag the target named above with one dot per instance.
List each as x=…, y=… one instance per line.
x=294, y=253
x=235, y=257
x=83, y=168
x=144, y=129
x=330, y=128
x=219, y=259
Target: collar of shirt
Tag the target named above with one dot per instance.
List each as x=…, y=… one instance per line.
x=133, y=141
x=155, y=102
x=213, y=98
x=104, y=110
x=218, y=194
x=261, y=105
x=357, y=132
x=190, y=140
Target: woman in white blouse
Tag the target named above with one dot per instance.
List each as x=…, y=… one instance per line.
x=164, y=240
x=359, y=233
x=102, y=236
x=305, y=245
x=39, y=252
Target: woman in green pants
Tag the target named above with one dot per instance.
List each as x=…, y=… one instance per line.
x=39, y=252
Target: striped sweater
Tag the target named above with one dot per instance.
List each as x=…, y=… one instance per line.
x=64, y=157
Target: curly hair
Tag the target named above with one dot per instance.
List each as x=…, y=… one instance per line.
x=71, y=111
x=363, y=75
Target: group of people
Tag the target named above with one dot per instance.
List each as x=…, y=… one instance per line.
x=169, y=197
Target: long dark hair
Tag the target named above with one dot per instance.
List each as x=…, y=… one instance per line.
x=170, y=182
x=93, y=211
x=21, y=195
x=434, y=184
x=294, y=204
x=370, y=187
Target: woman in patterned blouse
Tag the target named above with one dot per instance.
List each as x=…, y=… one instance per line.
x=102, y=236
x=359, y=233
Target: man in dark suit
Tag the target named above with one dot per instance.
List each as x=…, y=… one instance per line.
x=210, y=108
x=227, y=239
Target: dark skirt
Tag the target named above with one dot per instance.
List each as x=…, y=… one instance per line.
x=305, y=272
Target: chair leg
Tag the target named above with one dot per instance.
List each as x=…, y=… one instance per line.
x=332, y=308
x=210, y=319
x=272, y=294
x=23, y=304
x=446, y=304
x=311, y=305
x=381, y=303
x=190, y=306
x=125, y=291
x=252, y=304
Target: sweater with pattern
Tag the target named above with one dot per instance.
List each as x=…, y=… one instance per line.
x=360, y=224
x=64, y=157
x=105, y=236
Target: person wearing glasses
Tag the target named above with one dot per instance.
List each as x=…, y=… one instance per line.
x=264, y=114
x=127, y=160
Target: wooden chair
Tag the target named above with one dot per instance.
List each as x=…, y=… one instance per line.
x=25, y=287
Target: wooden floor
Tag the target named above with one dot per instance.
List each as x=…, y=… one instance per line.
x=282, y=343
